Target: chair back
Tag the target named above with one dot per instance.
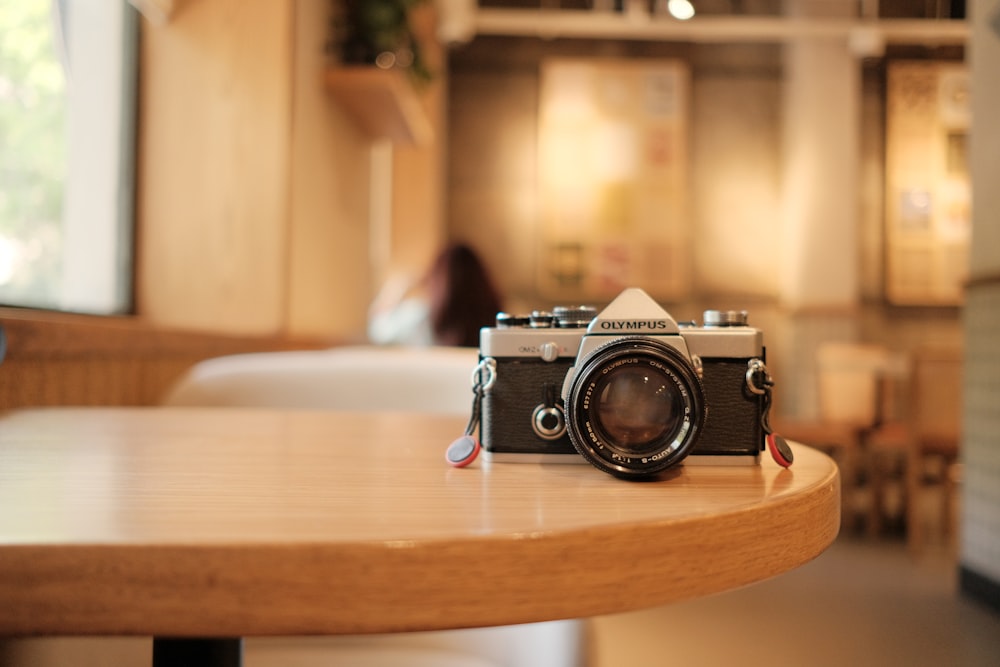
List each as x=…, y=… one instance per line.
x=852, y=383
x=936, y=403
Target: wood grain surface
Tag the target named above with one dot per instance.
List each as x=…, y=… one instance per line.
x=231, y=522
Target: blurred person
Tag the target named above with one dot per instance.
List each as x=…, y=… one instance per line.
x=447, y=306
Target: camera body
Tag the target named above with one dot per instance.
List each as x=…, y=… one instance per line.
x=629, y=389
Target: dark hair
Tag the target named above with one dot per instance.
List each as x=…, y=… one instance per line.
x=463, y=298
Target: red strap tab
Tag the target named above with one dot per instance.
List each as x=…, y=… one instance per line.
x=462, y=451
x=780, y=451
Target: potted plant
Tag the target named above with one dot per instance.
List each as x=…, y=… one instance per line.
x=378, y=32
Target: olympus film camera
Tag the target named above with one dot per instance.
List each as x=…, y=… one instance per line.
x=629, y=389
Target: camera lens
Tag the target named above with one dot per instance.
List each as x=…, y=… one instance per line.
x=635, y=408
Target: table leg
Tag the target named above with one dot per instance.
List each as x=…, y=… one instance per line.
x=182, y=652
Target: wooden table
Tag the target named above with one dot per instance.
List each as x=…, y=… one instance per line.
x=190, y=523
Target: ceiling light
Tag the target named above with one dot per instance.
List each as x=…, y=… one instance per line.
x=681, y=10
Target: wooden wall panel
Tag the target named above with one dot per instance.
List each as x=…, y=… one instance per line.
x=418, y=171
x=255, y=195
x=214, y=170
x=329, y=272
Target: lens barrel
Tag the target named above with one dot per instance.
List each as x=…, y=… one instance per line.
x=635, y=407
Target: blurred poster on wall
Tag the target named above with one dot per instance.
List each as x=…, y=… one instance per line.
x=612, y=178
x=928, y=200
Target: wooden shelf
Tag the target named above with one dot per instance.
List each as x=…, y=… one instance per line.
x=382, y=102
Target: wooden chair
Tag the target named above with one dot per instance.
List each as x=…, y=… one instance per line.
x=924, y=446
x=852, y=400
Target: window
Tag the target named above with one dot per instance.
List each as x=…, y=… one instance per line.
x=67, y=120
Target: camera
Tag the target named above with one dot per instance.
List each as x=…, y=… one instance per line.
x=629, y=389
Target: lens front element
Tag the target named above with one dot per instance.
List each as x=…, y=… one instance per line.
x=635, y=408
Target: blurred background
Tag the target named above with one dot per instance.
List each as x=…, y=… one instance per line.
x=183, y=179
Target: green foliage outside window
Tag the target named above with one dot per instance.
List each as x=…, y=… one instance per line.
x=32, y=153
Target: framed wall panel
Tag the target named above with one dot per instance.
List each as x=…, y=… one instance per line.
x=928, y=194
x=612, y=178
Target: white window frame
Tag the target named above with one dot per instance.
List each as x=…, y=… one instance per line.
x=98, y=210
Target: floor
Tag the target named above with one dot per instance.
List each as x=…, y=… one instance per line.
x=863, y=602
